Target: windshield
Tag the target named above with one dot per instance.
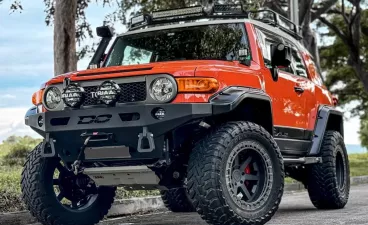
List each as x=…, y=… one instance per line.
x=208, y=42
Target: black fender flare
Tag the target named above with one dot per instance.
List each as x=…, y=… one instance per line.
x=30, y=112
x=328, y=118
x=228, y=99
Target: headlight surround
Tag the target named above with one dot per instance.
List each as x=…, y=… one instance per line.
x=163, y=89
x=52, y=98
x=73, y=95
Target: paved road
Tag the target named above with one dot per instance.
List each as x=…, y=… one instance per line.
x=295, y=209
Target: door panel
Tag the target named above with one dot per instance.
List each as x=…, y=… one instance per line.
x=310, y=103
x=288, y=105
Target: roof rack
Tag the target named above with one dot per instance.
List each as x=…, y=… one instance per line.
x=215, y=11
x=274, y=19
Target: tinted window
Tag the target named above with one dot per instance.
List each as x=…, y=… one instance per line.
x=220, y=42
x=298, y=64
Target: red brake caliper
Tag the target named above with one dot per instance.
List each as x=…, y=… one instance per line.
x=247, y=171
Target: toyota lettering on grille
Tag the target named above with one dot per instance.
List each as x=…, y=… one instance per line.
x=93, y=94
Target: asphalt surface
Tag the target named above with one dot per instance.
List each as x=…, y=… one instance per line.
x=295, y=209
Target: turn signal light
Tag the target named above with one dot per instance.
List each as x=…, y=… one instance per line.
x=197, y=85
x=37, y=97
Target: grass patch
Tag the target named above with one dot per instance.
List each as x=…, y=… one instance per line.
x=10, y=199
x=358, y=164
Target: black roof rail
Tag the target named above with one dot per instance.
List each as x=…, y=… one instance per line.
x=272, y=18
x=215, y=11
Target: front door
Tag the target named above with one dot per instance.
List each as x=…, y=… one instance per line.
x=287, y=98
x=290, y=96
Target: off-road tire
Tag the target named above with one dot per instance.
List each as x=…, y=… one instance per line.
x=323, y=187
x=206, y=175
x=177, y=200
x=41, y=201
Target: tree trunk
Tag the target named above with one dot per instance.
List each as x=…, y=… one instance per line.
x=65, y=57
x=309, y=37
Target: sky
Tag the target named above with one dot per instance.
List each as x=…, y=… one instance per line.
x=26, y=61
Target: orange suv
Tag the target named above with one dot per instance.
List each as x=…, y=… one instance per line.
x=212, y=105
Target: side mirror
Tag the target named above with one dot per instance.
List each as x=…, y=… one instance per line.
x=280, y=57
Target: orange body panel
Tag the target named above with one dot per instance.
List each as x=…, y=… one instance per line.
x=290, y=109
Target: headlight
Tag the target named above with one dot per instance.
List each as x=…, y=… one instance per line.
x=52, y=98
x=108, y=92
x=163, y=89
x=73, y=95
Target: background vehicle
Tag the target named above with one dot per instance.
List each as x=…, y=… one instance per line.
x=213, y=113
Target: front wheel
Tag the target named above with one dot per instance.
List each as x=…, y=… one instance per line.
x=54, y=195
x=236, y=175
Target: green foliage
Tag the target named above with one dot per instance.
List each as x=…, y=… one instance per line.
x=13, y=151
x=341, y=78
x=121, y=193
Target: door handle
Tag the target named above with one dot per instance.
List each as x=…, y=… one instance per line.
x=299, y=90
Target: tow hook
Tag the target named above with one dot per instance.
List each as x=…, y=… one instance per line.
x=145, y=141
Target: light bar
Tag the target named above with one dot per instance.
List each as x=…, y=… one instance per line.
x=214, y=11
x=137, y=19
x=178, y=12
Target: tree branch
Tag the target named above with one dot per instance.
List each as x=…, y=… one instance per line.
x=327, y=5
x=335, y=29
x=343, y=12
x=304, y=9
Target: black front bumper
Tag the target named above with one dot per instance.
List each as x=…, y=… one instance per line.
x=122, y=125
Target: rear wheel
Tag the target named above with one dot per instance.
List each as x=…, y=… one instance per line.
x=177, y=200
x=54, y=195
x=329, y=182
x=236, y=175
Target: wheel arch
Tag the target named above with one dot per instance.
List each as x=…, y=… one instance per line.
x=243, y=103
x=328, y=118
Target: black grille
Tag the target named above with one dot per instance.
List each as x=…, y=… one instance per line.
x=130, y=92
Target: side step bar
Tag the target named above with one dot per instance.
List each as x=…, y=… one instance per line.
x=302, y=161
x=130, y=177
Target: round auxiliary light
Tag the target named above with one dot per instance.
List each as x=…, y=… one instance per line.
x=108, y=92
x=52, y=98
x=40, y=121
x=159, y=113
x=73, y=95
x=163, y=89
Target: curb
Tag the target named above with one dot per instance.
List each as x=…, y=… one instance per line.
x=131, y=206
x=136, y=206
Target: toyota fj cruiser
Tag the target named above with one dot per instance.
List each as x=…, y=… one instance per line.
x=212, y=105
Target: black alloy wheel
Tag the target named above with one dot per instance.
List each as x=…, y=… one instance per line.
x=75, y=192
x=247, y=177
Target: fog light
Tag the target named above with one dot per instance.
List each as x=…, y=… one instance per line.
x=73, y=95
x=159, y=113
x=108, y=92
x=40, y=121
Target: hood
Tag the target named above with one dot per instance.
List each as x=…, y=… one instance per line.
x=175, y=68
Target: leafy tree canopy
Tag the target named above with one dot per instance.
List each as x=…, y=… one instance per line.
x=341, y=78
